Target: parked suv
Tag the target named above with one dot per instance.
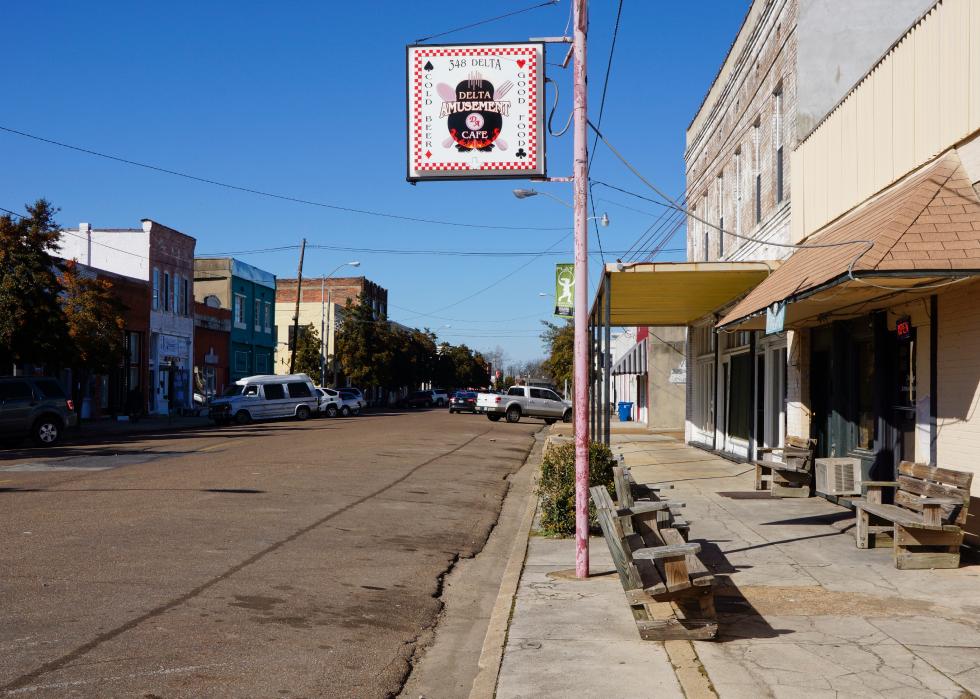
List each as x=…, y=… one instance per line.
x=35, y=407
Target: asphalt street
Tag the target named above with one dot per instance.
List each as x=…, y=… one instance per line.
x=287, y=559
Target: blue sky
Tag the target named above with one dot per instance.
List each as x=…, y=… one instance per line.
x=308, y=100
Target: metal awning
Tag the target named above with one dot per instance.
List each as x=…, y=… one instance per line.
x=634, y=361
x=677, y=293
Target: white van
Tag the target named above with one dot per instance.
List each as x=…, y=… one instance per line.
x=266, y=397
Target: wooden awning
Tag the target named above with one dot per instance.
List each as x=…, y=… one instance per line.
x=922, y=230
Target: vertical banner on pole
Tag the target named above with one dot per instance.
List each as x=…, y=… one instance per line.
x=565, y=289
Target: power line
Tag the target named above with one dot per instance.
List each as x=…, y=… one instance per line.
x=487, y=21
x=659, y=237
x=503, y=278
x=672, y=203
x=602, y=108
x=605, y=82
x=397, y=251
x=272, y=195
x=468, y=320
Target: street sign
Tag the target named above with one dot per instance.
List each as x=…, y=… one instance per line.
x=476, y=111
x=565, y=290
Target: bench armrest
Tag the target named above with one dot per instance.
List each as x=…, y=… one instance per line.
x=655, y=486
x=767, y=450
x=642, y=507
x=654, y=553
x=940, y=501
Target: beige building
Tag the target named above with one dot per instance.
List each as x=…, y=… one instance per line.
x=330, y=314
x=322, y=304
x=887, y=183
x=790, y=63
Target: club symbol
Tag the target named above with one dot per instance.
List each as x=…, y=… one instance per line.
x=520, y=153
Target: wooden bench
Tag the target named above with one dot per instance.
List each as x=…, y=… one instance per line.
x=629, y=492
x=668, y=588
x=925, y=525
x=791, y=477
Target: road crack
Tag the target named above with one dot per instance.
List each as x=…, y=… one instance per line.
x=58, y=663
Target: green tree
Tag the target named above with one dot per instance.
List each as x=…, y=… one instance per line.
x=308, y=353
x=94, y=319
x=414, y=357
x=365, y=345
x=32, y=325
x=559, y=343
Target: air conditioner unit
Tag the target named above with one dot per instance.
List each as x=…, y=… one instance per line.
x=838, y=476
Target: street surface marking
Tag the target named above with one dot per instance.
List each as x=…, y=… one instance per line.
x=131, y=676
x=37, y=466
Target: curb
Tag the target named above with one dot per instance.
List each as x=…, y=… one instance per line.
x=485, y=682
x=81, y=436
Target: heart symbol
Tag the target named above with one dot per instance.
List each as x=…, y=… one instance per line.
x=521, y=62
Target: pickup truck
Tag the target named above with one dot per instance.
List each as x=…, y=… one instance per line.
x=524, y=401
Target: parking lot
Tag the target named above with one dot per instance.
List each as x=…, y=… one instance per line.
x=275, y=559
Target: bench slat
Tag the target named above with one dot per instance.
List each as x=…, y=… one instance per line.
x=961, y=479
x=898, y=515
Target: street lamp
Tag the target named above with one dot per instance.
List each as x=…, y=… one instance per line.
x=526, y=193
x=323, y=335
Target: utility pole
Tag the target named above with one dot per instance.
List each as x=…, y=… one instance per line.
x=580, y=174
x=299, y=295
x=323, y=340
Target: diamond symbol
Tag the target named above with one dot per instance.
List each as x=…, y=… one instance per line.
x=428, y=154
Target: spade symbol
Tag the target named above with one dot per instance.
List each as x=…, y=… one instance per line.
x=520, y=153
x=428, y=65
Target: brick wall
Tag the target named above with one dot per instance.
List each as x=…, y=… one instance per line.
x=768, y=66
x=341, y=289
x=172, y=252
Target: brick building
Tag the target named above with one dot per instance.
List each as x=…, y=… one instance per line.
x=164, y=257
x=124, y=389
x=212, y=347
x=322, y=304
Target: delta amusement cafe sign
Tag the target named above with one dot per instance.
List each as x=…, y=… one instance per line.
x=476, y=111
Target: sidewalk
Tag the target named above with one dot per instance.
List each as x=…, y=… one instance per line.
x=802, y=611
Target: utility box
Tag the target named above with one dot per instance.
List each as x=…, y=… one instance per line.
x=838, y=476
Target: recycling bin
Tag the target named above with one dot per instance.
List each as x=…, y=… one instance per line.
x=625, y=411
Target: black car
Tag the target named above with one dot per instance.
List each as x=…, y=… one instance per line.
x=417, y=399
x=463, y=402
x=35, y=407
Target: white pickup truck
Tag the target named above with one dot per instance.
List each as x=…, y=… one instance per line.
x=524, y=401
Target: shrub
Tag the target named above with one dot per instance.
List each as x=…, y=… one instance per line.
x=556, y=488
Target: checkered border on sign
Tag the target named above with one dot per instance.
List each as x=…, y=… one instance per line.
x=530, y=52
